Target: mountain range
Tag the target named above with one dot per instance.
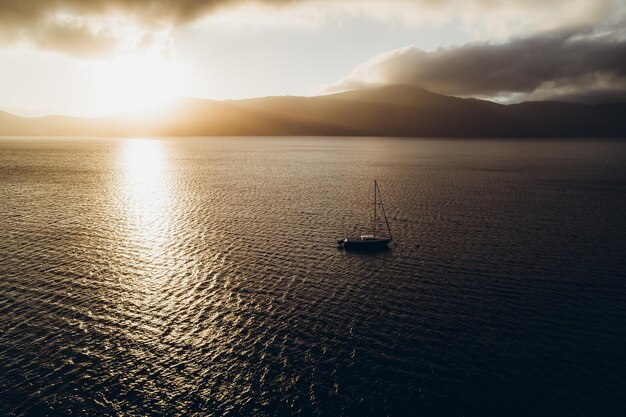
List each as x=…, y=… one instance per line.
x=397, y=110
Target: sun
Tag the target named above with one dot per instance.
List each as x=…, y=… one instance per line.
x=135, y=83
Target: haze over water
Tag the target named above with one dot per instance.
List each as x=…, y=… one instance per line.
x=200, y=277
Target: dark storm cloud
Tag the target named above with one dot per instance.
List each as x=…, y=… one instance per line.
x=572, y=64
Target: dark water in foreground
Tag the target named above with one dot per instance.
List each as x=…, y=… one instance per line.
x=200, y=276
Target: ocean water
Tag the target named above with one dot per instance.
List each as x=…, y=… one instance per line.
x=200, y=276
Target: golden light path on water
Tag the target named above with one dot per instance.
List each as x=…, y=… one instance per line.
x=146, y=194
x=145, y=206
x=161, y=290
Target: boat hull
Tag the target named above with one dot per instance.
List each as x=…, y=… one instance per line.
x=358, y=244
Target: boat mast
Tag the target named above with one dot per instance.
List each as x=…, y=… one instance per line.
x=382, y=206
x=374, y=224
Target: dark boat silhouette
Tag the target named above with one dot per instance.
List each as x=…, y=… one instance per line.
x=371, y=241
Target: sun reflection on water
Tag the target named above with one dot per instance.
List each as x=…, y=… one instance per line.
x=161, y=273
x=146, y=194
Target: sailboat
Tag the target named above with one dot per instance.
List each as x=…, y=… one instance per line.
x=374, y=240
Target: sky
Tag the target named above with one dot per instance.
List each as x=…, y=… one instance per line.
x=88, y=58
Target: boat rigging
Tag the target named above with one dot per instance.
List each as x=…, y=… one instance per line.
x=370, y=241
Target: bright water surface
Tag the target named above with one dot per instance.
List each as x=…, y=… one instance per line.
x=200, y=276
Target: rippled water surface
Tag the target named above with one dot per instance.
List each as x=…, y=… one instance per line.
x=201, y=277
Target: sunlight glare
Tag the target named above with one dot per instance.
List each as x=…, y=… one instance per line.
x=136, y=83
x=146, y=192
x=146, y=204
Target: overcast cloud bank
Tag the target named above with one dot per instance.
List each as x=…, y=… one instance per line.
x=97, y=27
x=572, y=65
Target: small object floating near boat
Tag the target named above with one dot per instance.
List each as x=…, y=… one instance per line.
x=372, y=241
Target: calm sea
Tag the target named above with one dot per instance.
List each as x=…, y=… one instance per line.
x=201, y=277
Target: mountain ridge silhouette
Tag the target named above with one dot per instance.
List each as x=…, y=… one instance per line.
x=397, y=110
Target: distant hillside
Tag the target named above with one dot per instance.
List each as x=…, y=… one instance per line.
x=384, y=111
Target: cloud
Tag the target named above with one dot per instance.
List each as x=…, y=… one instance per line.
x=94, y=27
x=52, y=24
x=79, y=39
x=570, y=64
